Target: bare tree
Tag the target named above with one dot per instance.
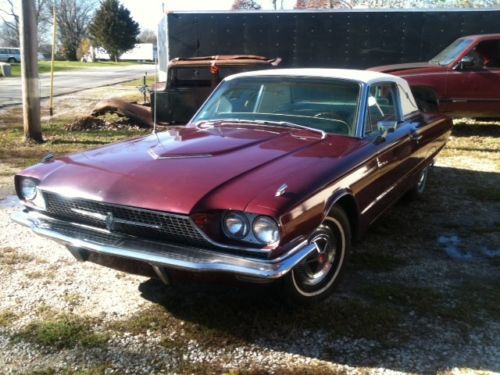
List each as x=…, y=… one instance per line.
x=275, y=4
x=10, y=18
x=147, y=36
x=9, y=15
x=246, y=4
x=73, y=18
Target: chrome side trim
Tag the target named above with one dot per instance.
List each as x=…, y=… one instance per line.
x=161, y=254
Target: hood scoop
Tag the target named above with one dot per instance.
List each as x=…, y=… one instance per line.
x=202, y=143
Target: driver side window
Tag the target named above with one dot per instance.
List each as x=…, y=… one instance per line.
x=382, y=106
x=489, y=52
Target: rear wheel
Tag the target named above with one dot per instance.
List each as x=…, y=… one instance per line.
x=11, y=60
x=315, y=277
x=418, y=190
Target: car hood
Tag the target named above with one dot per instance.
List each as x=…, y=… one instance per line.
x=420, y=67
x=173, y=170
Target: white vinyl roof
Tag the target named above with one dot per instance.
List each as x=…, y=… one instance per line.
x=365, y=76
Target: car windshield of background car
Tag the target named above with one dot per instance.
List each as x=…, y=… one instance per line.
x=450, y=53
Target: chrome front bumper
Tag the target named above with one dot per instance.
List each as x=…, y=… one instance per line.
x=160, y=254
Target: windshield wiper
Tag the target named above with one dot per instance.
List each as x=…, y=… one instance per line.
x=289, y=125
x=265, y=123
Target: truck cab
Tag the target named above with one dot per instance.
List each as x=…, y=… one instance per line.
x=191, y=80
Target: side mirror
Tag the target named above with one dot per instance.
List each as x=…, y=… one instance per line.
x=385, y=127
x=465, y=63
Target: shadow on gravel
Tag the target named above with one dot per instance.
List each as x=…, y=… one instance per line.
x=405, y=304
x=485, y=130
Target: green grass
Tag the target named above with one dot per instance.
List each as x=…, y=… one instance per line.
x=150, y=80
x=44, y=66
x=17, y=154
x=64, y=331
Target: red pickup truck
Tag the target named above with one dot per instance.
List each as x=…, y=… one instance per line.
x=462, y=80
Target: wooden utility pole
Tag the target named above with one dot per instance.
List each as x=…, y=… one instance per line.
x=29, y=71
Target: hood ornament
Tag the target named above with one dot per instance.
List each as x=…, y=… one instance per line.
x=281, y=190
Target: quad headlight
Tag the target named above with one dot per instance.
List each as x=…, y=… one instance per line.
x=250, y=228
x=236, y=225
x=28, y=188
x=266, y=230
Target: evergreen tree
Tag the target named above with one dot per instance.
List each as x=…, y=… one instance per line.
x=113, y=29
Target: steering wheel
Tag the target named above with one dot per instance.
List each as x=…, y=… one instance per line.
x=334, y=117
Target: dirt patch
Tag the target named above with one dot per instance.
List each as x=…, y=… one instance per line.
x=96, y=123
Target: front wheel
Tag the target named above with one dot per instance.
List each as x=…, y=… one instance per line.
x=315, y=277
x=11, y=60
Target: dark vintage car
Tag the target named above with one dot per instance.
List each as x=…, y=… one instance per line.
x=462, y=80
x=190, y=81
x=270, y=181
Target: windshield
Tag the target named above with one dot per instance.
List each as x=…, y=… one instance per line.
x=325, y=104
x=450, y=53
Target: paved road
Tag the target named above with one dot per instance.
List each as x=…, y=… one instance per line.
x=71, y=81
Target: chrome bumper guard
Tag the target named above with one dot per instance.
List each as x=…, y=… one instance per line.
x=159, y=254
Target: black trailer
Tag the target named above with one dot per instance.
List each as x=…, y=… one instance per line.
x=321, y=38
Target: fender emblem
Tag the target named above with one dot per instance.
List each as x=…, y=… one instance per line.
x=281, y=190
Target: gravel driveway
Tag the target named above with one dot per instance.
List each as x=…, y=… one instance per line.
x=421, y=296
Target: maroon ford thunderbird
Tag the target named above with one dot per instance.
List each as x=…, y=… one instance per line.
x=270, y=181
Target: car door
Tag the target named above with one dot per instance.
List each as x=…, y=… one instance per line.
x=392, y=153
x=474, y=89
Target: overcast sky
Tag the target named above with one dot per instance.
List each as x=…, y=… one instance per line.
x=149, y=12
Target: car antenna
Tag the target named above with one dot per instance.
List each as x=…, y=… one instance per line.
x=156, y=93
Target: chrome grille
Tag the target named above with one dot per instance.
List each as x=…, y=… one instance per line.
x=130, y=220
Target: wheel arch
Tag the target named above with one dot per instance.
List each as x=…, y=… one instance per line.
x=347, y=202
x=426, y=97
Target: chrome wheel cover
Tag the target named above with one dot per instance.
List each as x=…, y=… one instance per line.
x=317, y=273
